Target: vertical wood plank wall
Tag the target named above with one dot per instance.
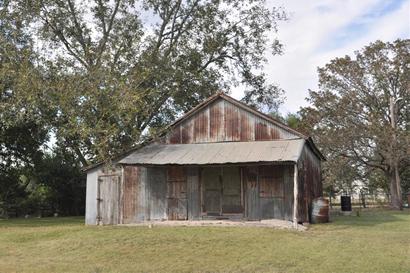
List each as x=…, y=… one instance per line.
x=224, y=121
x=309, y=181
x=194, y=193
x=145, y=193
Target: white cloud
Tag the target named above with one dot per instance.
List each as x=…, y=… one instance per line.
x=319, y=31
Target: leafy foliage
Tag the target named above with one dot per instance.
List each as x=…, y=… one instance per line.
x=114, y=78
x=82, y=81
x=351, y=113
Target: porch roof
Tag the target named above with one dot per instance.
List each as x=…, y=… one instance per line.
x=288, y=150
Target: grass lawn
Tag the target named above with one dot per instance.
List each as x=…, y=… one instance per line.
x=377, y=241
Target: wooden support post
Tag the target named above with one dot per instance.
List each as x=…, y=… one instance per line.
x=295, y=196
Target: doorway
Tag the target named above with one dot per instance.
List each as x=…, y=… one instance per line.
x=108, y=199
x=222, y=191
x=177, y=193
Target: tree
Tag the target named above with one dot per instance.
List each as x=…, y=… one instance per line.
x=293, y=120
x=361, y=111
x=22, y=131
x=114, y=78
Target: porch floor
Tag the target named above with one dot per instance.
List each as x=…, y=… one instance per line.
x=271, y=223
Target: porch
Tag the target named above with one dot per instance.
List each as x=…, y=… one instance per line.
x=228, y=192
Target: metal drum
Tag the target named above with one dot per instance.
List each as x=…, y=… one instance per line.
x=346, y=203
x=320, y=210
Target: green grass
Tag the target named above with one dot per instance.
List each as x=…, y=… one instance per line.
x=377, y=241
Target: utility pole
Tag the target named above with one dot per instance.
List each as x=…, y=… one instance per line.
x=394, y=160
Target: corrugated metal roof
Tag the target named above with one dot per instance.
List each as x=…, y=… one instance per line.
x=217, y=153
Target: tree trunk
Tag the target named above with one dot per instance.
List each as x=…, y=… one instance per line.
x=395, y=193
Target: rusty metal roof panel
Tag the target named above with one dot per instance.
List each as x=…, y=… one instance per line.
x=217, y=153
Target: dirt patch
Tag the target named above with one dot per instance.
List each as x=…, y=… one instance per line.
x=272, y=223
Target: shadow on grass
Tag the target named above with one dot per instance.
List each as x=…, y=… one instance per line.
x=42, y=222
x=372, y=217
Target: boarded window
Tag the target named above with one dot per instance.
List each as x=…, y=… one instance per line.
x=177, y=186
x=270, y=182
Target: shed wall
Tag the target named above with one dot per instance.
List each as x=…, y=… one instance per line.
x=269, y=192
x=310, y=183
x=147, y=192
x=91, y=198
x=101, y=195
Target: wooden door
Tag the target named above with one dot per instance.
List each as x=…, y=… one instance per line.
x=252, y=193
x=231, y=190
x=108, y=198
x=212, y=197
x=271, y=192
x=177, y=194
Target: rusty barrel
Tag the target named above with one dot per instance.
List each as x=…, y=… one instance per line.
x=346, y=203
x=320, y=210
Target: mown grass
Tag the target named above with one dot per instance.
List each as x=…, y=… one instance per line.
x=377, y=241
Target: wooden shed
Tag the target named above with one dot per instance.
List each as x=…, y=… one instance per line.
x=221, y=160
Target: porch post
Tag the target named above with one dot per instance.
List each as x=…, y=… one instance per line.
x=295, y=196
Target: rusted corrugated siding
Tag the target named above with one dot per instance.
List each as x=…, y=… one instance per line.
x=201, y=126
x=187, y=130
x=130, y=194
x=216, y=122
x=175, y=135
x=224, y=121
x=247, y=126
x=217, y=153
x=135, y=205
x=232, y=122
x=310, y=184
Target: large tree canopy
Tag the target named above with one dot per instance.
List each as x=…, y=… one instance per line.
x=361, y=113
x=113, y=72
x=93, y=78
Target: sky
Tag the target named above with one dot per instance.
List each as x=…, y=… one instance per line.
x=320, y=30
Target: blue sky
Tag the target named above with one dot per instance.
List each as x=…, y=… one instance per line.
x=320, y=30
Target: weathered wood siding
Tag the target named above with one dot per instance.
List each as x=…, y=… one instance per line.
x=269, y=192
x=103, y=196
x=250, y=175
x=109, y=199
x=160, y=193
x=177, y=207
x=194, y=193
x=224, y=121
x=130, y=194
x=156, y=193
x=91, y=198
x=310, y=184
x=134, y=205
x=288, y=192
